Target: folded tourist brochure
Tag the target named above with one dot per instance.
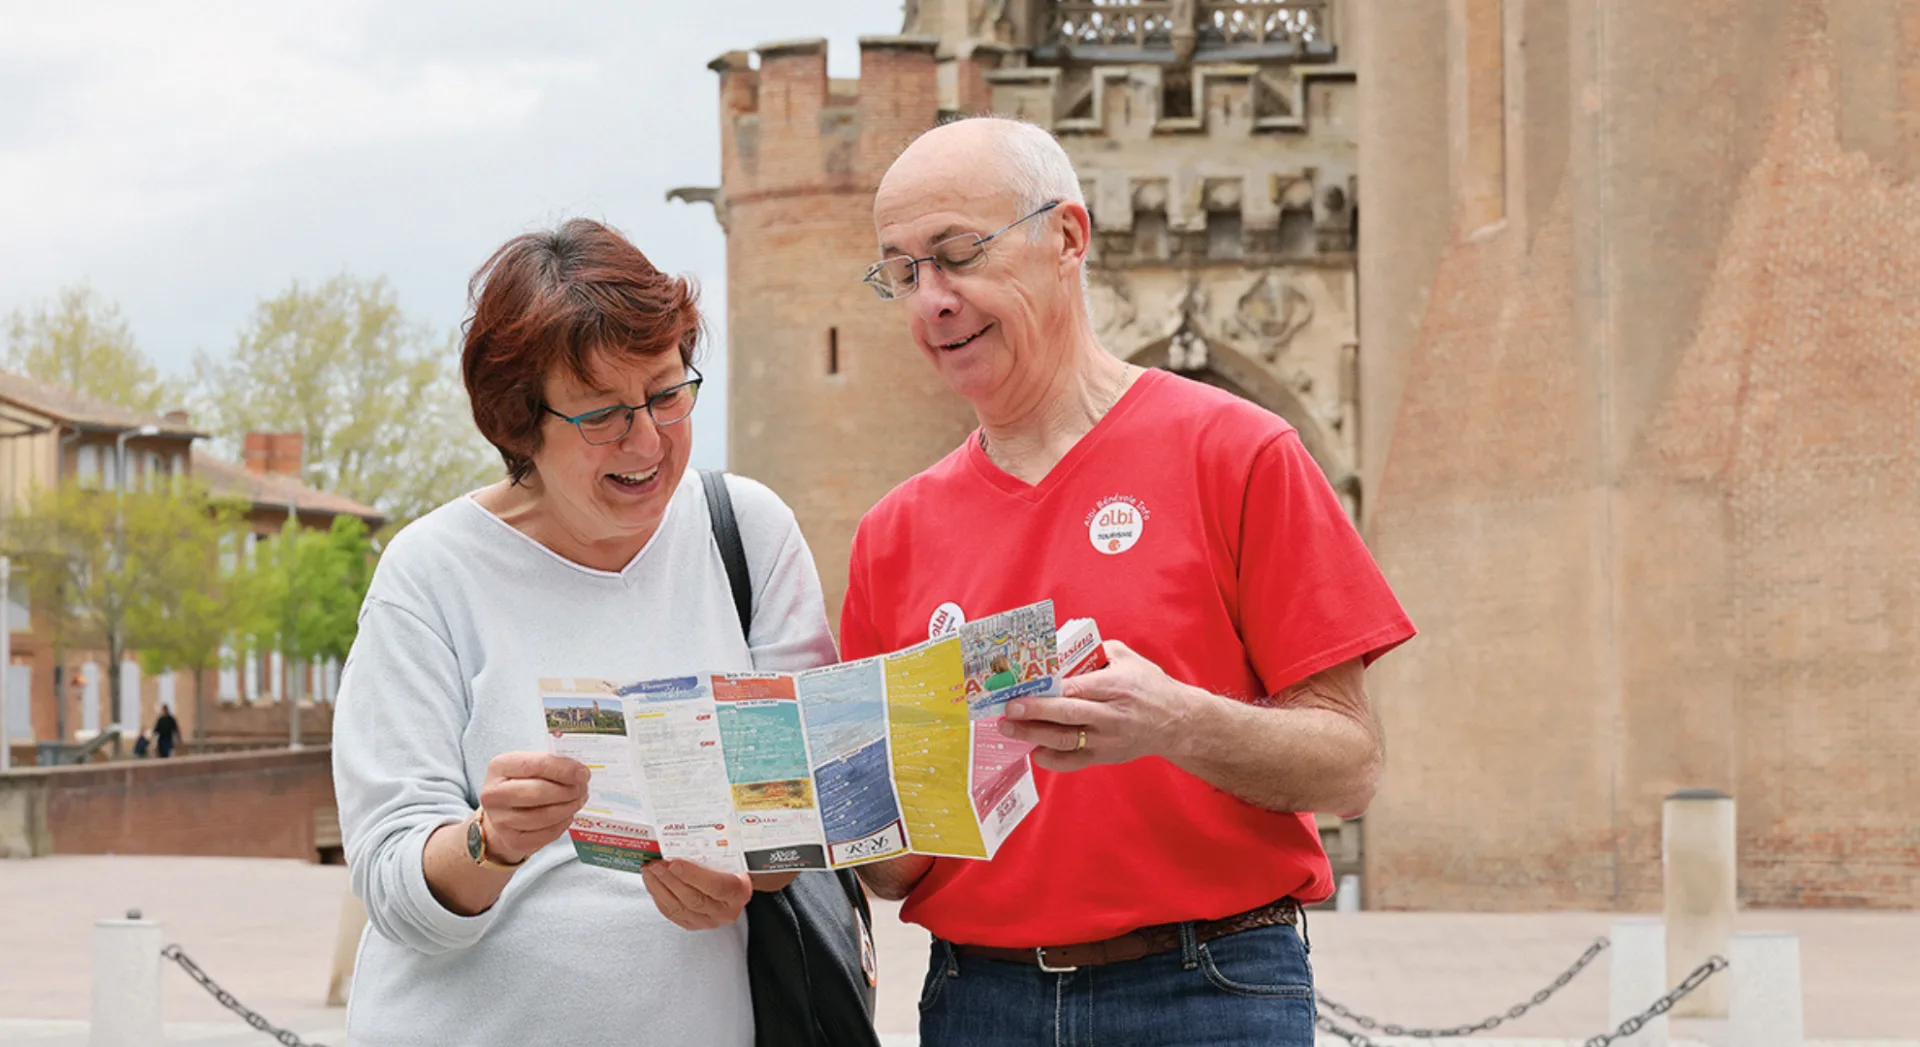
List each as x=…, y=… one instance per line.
x=837, y=766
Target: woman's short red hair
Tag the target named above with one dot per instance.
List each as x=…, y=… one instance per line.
x=556, y=299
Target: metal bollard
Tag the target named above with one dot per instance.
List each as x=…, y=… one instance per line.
x=1347, y=897
x=1637, y=976
x=126, y=983
x=1766, y=1009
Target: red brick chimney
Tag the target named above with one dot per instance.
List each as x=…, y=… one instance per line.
x=276, y=454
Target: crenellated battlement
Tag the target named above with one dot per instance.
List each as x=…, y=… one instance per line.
x=1277, y=182
x=788, y=129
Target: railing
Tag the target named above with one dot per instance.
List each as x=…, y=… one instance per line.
x=1178, y=27
x=1236, y=23
x=1103, y=24
x=56, y=753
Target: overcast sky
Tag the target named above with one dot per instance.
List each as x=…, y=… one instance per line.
x=189, y=159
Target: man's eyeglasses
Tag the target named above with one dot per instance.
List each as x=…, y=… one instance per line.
x=899, y=276
x=608, y=424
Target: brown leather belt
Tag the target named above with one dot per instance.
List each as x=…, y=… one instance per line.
x=1135, y=945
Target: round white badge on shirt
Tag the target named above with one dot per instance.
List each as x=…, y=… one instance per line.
x=946, y=618
x=1116, y=524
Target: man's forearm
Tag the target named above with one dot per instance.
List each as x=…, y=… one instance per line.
x=1316, y=748
x=894, y=879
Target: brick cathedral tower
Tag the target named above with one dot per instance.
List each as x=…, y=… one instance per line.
x=829, y=403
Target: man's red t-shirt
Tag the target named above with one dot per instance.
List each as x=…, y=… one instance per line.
x=1193, y=526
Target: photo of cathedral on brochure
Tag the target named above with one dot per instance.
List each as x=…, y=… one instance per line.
x=836, y=766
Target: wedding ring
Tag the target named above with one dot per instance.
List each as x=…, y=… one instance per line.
x=1083, y=740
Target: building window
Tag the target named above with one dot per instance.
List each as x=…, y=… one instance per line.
x=833, y=350
x=86, y=466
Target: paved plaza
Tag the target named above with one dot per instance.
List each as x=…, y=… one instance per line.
x=265, y=929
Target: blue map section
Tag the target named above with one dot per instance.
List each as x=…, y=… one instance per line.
x=762, y=741
x=673, y=689
x=846, y=708
x=855, y=800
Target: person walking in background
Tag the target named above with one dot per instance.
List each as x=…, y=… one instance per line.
x=166, y=731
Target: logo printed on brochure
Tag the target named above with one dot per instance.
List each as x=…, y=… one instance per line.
x=1116, y=523
x=947, y=618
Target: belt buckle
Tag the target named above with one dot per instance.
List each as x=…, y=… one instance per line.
x=1040, y=957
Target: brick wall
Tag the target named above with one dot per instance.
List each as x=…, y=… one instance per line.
x=268, y=721
x=254, y=805
x=1651, y=485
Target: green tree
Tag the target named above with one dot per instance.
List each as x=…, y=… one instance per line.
x=53, y=543
x=79, y=341
x=75, y=542
x=196, y=593
x=306, y=589
x=375, y=394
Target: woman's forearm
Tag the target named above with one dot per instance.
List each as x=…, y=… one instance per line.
x=455, y=880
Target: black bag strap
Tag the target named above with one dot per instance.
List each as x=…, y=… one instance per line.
x=726, y=532
x=776, y=957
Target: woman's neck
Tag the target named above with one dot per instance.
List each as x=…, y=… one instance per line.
x=526, y=508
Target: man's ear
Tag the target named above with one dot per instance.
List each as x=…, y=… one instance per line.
x=1076, y=235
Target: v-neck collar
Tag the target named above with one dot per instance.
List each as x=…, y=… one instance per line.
x=1063, y=469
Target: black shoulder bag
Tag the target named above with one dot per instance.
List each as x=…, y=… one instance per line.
x=810, y=943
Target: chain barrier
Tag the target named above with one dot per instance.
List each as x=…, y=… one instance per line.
x=1713, y=966
x=1389, y=1029
x=227, y=1000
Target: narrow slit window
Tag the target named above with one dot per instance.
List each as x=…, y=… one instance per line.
x=833, y=350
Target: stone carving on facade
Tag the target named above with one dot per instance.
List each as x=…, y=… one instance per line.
x=1187, y=349
x=1272, y=311
x=1111, y=304
x=984, y=17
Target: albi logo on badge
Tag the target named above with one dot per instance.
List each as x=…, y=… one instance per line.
x=1116, y=523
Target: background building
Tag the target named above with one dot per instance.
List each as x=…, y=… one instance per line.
x=1619, y=373
x=51, y=436
x=1641, y=403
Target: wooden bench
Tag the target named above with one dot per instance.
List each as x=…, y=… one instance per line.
x=328, y=847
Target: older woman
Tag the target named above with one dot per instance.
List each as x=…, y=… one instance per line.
x=592, y=558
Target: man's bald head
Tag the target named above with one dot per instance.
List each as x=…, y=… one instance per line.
x=985, y=157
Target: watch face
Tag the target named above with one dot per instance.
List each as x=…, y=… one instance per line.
x=476, y=843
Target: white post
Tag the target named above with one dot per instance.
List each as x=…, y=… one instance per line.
x=1637, y=976
x=1699, y=867
x=6, y=662
x=1766, y=1009
x=346, y=949
x=126, y=983
x=1347, y=897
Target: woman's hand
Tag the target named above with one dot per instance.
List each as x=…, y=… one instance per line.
x=694, y=896
x=528, y=799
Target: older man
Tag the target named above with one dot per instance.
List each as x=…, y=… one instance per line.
x=1153, y=897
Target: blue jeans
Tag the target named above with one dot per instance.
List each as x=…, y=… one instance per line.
x=1246, y=989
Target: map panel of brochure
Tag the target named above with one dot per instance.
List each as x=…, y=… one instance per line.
x=836, y=766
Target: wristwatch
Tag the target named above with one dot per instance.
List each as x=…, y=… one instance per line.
x=477, y=844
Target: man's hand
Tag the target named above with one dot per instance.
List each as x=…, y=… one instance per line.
x=694, y=896
x=1127, y=710
x=528, y=799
